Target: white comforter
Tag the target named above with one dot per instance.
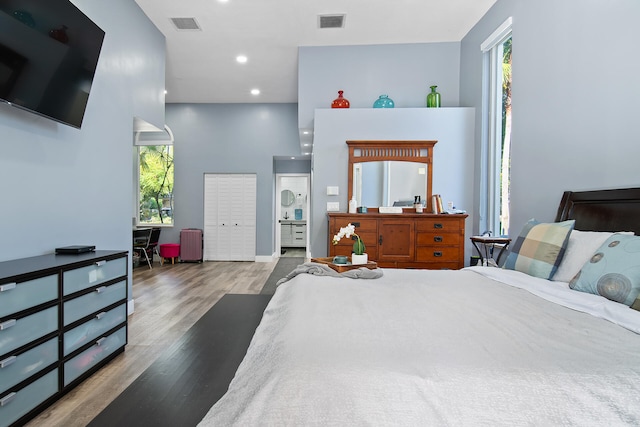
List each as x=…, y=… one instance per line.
x=434, y=348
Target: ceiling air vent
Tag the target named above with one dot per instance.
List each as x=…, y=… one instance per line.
x=331, y=21
x=185, y=23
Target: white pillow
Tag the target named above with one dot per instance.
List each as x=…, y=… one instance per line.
x=582, y=245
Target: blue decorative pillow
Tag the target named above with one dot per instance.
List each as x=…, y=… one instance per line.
x=539, y=248
x=613, y=271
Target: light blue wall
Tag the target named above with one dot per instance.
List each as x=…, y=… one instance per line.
x=63, y=186
x=575, y=98
x=229, y=138
x=404, y=72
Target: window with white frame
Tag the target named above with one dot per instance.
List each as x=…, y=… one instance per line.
x=155, y=178
x=496, y=141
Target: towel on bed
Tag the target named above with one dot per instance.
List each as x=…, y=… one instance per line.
x=324, y=270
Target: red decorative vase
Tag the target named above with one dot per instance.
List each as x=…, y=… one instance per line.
x=340, y=101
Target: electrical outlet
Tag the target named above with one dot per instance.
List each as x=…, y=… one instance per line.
x=333, y=206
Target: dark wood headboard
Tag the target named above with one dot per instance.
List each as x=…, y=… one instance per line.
x=602, y=210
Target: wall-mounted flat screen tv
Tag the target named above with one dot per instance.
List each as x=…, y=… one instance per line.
x=49, y=51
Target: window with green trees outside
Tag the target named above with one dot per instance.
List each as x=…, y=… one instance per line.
x=155, y=184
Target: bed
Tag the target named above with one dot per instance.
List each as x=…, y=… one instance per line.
x=479, y=346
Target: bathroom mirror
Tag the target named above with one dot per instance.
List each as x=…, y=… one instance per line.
x=387, y=173
x=287, y=197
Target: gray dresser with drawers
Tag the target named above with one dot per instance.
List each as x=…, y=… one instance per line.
x=62, y=317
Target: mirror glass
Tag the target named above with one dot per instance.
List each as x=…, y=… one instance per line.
x=287, y=197
x=389, y=183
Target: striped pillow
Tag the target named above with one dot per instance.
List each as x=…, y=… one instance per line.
x=539, y=248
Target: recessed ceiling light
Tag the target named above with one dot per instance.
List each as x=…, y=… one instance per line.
x=241, y=59
x=255, y=91
x=306, y=145
x=293, y=158
x=165, y=91
x=306, y=132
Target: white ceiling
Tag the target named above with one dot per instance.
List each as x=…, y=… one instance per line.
x=201, y=65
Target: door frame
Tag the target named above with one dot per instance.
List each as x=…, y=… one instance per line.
x=278, y=212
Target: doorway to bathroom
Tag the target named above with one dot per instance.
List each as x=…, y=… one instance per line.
x=292, y=208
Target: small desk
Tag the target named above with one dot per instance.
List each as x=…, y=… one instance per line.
x=489, y=243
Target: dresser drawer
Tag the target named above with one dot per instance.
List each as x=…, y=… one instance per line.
x=17, y=368
x=92, y=356
x=92, y=329
x=440, y=225
x=17, y=404
x=361, y=224
x=438, y=239
x=77, y=308
x=92, y=275
x=437, y=254
x=18, y=332
x=16, y=297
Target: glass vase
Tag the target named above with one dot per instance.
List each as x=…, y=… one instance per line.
x=433, y=98
x=384, y=102
x=340, y=101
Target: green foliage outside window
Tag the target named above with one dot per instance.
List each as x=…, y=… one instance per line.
x=156, y=184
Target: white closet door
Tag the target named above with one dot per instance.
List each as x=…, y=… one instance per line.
x=230, y=217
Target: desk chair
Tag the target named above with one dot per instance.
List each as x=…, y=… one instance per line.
x=141, y=241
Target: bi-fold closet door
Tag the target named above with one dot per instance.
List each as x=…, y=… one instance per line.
x=230, y=217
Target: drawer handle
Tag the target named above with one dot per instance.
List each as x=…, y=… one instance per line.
x=101, y=341
x=437, y=239
x=8, y=361
x=437, y=225
x=100, y=263
x=8, y=398
x=8, y=287
x=101, y=289
x=101, y=315
x=437, y=254
x=7, y=324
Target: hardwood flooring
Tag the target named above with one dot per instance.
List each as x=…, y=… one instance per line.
x=169, y=299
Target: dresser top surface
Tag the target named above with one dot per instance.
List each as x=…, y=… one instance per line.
x=18, y=267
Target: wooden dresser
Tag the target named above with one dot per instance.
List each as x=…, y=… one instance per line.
x=406, y=240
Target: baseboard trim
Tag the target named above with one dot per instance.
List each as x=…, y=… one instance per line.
x=130, y=307
x=264, y=258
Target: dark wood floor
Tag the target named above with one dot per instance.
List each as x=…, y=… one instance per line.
x=188, y=378
x=169, y=300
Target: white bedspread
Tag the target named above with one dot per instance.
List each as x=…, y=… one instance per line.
x=434, y=348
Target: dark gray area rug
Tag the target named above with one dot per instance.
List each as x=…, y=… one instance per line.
x=193, y=373
x=284, y=266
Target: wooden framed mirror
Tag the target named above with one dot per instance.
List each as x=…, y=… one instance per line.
x=388, y=173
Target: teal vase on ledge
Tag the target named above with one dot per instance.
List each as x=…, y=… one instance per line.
x=433, y=99
x=384, y=102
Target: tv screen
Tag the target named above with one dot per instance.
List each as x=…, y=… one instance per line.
x=49, y=52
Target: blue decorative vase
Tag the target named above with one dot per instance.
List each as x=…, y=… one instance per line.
x=383, y=102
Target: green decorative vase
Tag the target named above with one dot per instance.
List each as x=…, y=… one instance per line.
x=433, y=99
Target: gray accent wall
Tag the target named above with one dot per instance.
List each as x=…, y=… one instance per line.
x=64, y=186
x=575, y=98
x=229, y=138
